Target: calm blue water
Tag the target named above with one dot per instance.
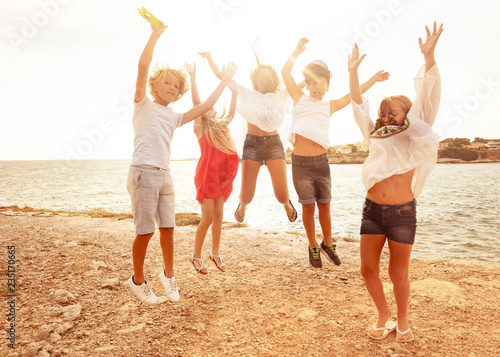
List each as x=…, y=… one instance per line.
x=458, y=212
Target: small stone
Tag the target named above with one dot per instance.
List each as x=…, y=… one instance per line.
x=70, y=245
x=72, y=312
x=97, y=264
x=43, y=333
x=43, y=353
x=65, y=327
x=31, y=350
x=63, y=297
x=54, y=337
x=112, y=283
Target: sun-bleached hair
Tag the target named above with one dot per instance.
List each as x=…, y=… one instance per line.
x=254, y=75
x=315, y=70
x=218, y=129
x=385, y=105
x=160, y=74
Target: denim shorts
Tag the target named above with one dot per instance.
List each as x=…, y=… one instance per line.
x=263, y=148
x=152, y=194
x=397, y=222
x=312, y=179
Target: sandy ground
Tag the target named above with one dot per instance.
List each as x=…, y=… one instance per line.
x=70, y=298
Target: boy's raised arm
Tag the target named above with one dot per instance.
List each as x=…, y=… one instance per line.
x=286, y=72
x=226, y=74
x=145, y=62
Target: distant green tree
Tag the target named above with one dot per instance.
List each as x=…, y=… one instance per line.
x=459, y=153
x=479, y=140
x=459, y=142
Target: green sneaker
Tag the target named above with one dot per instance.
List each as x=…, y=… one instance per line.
x=314, y=257
x=330, y=252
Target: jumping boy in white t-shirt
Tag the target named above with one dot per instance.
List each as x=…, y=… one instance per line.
x=309, y=137
x=149, y=182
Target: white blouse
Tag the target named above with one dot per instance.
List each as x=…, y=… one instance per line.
x=311, y=119
x=266, y=111
x=395, y=150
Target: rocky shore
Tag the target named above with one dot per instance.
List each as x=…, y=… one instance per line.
x=70, y=299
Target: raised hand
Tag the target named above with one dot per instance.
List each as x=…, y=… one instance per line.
x=159, y=30
x=353, y=60
x=301, y=45
x=205, y=54
x=427, y=47
x=381, y=76
x=228, y=71
x=191, y=69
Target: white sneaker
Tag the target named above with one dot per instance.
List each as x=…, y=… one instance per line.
x=170, y=285
x=143, y=292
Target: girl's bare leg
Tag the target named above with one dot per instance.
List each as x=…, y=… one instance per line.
x=277, y=170
x=217, y=227
x=399, y=262
x=207, y=217
x=249, y=172
x=370, y=250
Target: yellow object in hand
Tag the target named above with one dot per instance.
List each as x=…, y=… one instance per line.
x=150, y=17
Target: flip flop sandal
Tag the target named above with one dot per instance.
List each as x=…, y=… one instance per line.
x=389, y=327
x=404, y=333
x=294, y=213
x=237, y=216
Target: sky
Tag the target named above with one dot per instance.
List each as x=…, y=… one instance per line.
x=68, y=68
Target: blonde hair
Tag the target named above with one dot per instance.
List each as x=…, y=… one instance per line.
x=385, y=105
x=160, y=74
x=256, y=72
x=219, y=136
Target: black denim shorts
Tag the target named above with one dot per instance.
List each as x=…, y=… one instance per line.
x=263, y=148
x=312, y=178
x=397, y=222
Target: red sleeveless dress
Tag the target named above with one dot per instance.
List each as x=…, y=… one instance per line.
x=215, y=172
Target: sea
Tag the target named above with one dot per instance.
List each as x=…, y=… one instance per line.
x=458, y=212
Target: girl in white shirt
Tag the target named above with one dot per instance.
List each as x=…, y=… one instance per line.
x=264, y=108
x=403, y=152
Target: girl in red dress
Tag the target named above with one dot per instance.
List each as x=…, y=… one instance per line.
x=214, y=176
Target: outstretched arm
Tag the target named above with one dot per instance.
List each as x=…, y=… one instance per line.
x=227, y=74
x=286, y=72
x=211, y=62
x=195, y=96
x=353, y=63
x=428, y=47
x=340, y=103
x=145, y=61
x=234, y=98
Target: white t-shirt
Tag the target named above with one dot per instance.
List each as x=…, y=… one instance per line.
x=311, y=119
x=398, y=149
x=154, y=125
x=266, y=111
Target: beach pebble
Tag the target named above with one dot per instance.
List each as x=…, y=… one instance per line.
x=97, y=264
x=54, y=337
x=31, y=350
x=63, y=297
x=71, y=312
x=42, y=333
x=112, y=283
